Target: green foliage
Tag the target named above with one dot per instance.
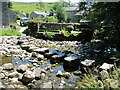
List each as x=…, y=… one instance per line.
x=65, y=33
x=60, y=12
x=69, y=28
x=52, y=19
x=9, y=32
x=49, y=34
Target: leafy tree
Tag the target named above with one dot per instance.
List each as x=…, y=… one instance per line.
x=10, y=5
x=60, y=12
x=106, y=17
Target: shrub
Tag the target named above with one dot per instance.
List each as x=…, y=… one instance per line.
x=69, y=28
x=65, y=33
x=49, y=34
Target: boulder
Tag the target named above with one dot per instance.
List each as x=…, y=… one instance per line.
x=40, y=57
x=59, y=74
x=1, y=69
x=1, y=85
x=87, y=62
x=8, y=66
x=28, y=76
x=13, y=74
x=22, y=68
x=71, y=63
x=56, y=59
x=106, y=66
x=32, y=48
x=41, y=50
x=26, y=47
x=2, y=75
x=37, y=72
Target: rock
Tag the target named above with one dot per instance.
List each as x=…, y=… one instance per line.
x=34, y=54
x=113, y=83
x=8, y=66
x=56, y=59
x=48, y=68
x=37, y=73
x=26, y=47
x=66, y=75
x=14, y=80
x=106, y=66
x=22, y=68
x=71, y=63
x=13, y=74
x=32, y=48
x=28, y=76
x=1, y=69
x=87, y=62
x=50, y=54
x=40, y=57
x=41, y=50
x=1, y=85
x=104, y=74
x=59, y=74
x=2, y=75
x=47, y=85
x=77, y=72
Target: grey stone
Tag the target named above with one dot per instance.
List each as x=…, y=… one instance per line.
x=22, y=68
x=106, y=66
x=47, y=85
x=40, y=57
x=1, y=69
x=41, y=50
x=28, y=76
x=87, y=62
x=59, y=74
x=8, y=66
x=2, y=75
x=1, y=85
x=13, y=74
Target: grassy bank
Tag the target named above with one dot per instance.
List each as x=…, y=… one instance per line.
x=10, y=32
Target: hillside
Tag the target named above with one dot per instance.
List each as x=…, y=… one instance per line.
x=30, y=7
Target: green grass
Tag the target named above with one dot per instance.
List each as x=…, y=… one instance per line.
x=30, y=7
x=9, y=32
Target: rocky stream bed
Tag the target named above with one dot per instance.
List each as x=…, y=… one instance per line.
x=27, y=62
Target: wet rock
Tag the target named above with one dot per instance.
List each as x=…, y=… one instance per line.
x=1, y=69
x=22, y=68
x=32, y=48
x=28, y=76
x=26, y=47
x=50, y=54
x=34, y=54
x=40, y=57
x=106, y=66
x=7, y=66
x=77, y=72
x=71, y=63
x=59, y=74
x=66, y=75
x=47, y=85
x=2, y=75
x=87, y=62
x=56, y=59
x=48, y=68
x=41, y=50
x=13, y=74
x=1, y=85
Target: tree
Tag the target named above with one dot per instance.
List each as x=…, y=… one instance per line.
x=10, y=5
x=106, y=17
x=60, y=12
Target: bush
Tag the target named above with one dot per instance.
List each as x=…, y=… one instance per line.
x=69, y=28
x=49, y=34
x=65, y=33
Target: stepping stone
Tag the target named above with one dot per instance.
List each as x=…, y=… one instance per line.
x=71, y=63
x=106, y=66
x=87, y=62
x=56, y=59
